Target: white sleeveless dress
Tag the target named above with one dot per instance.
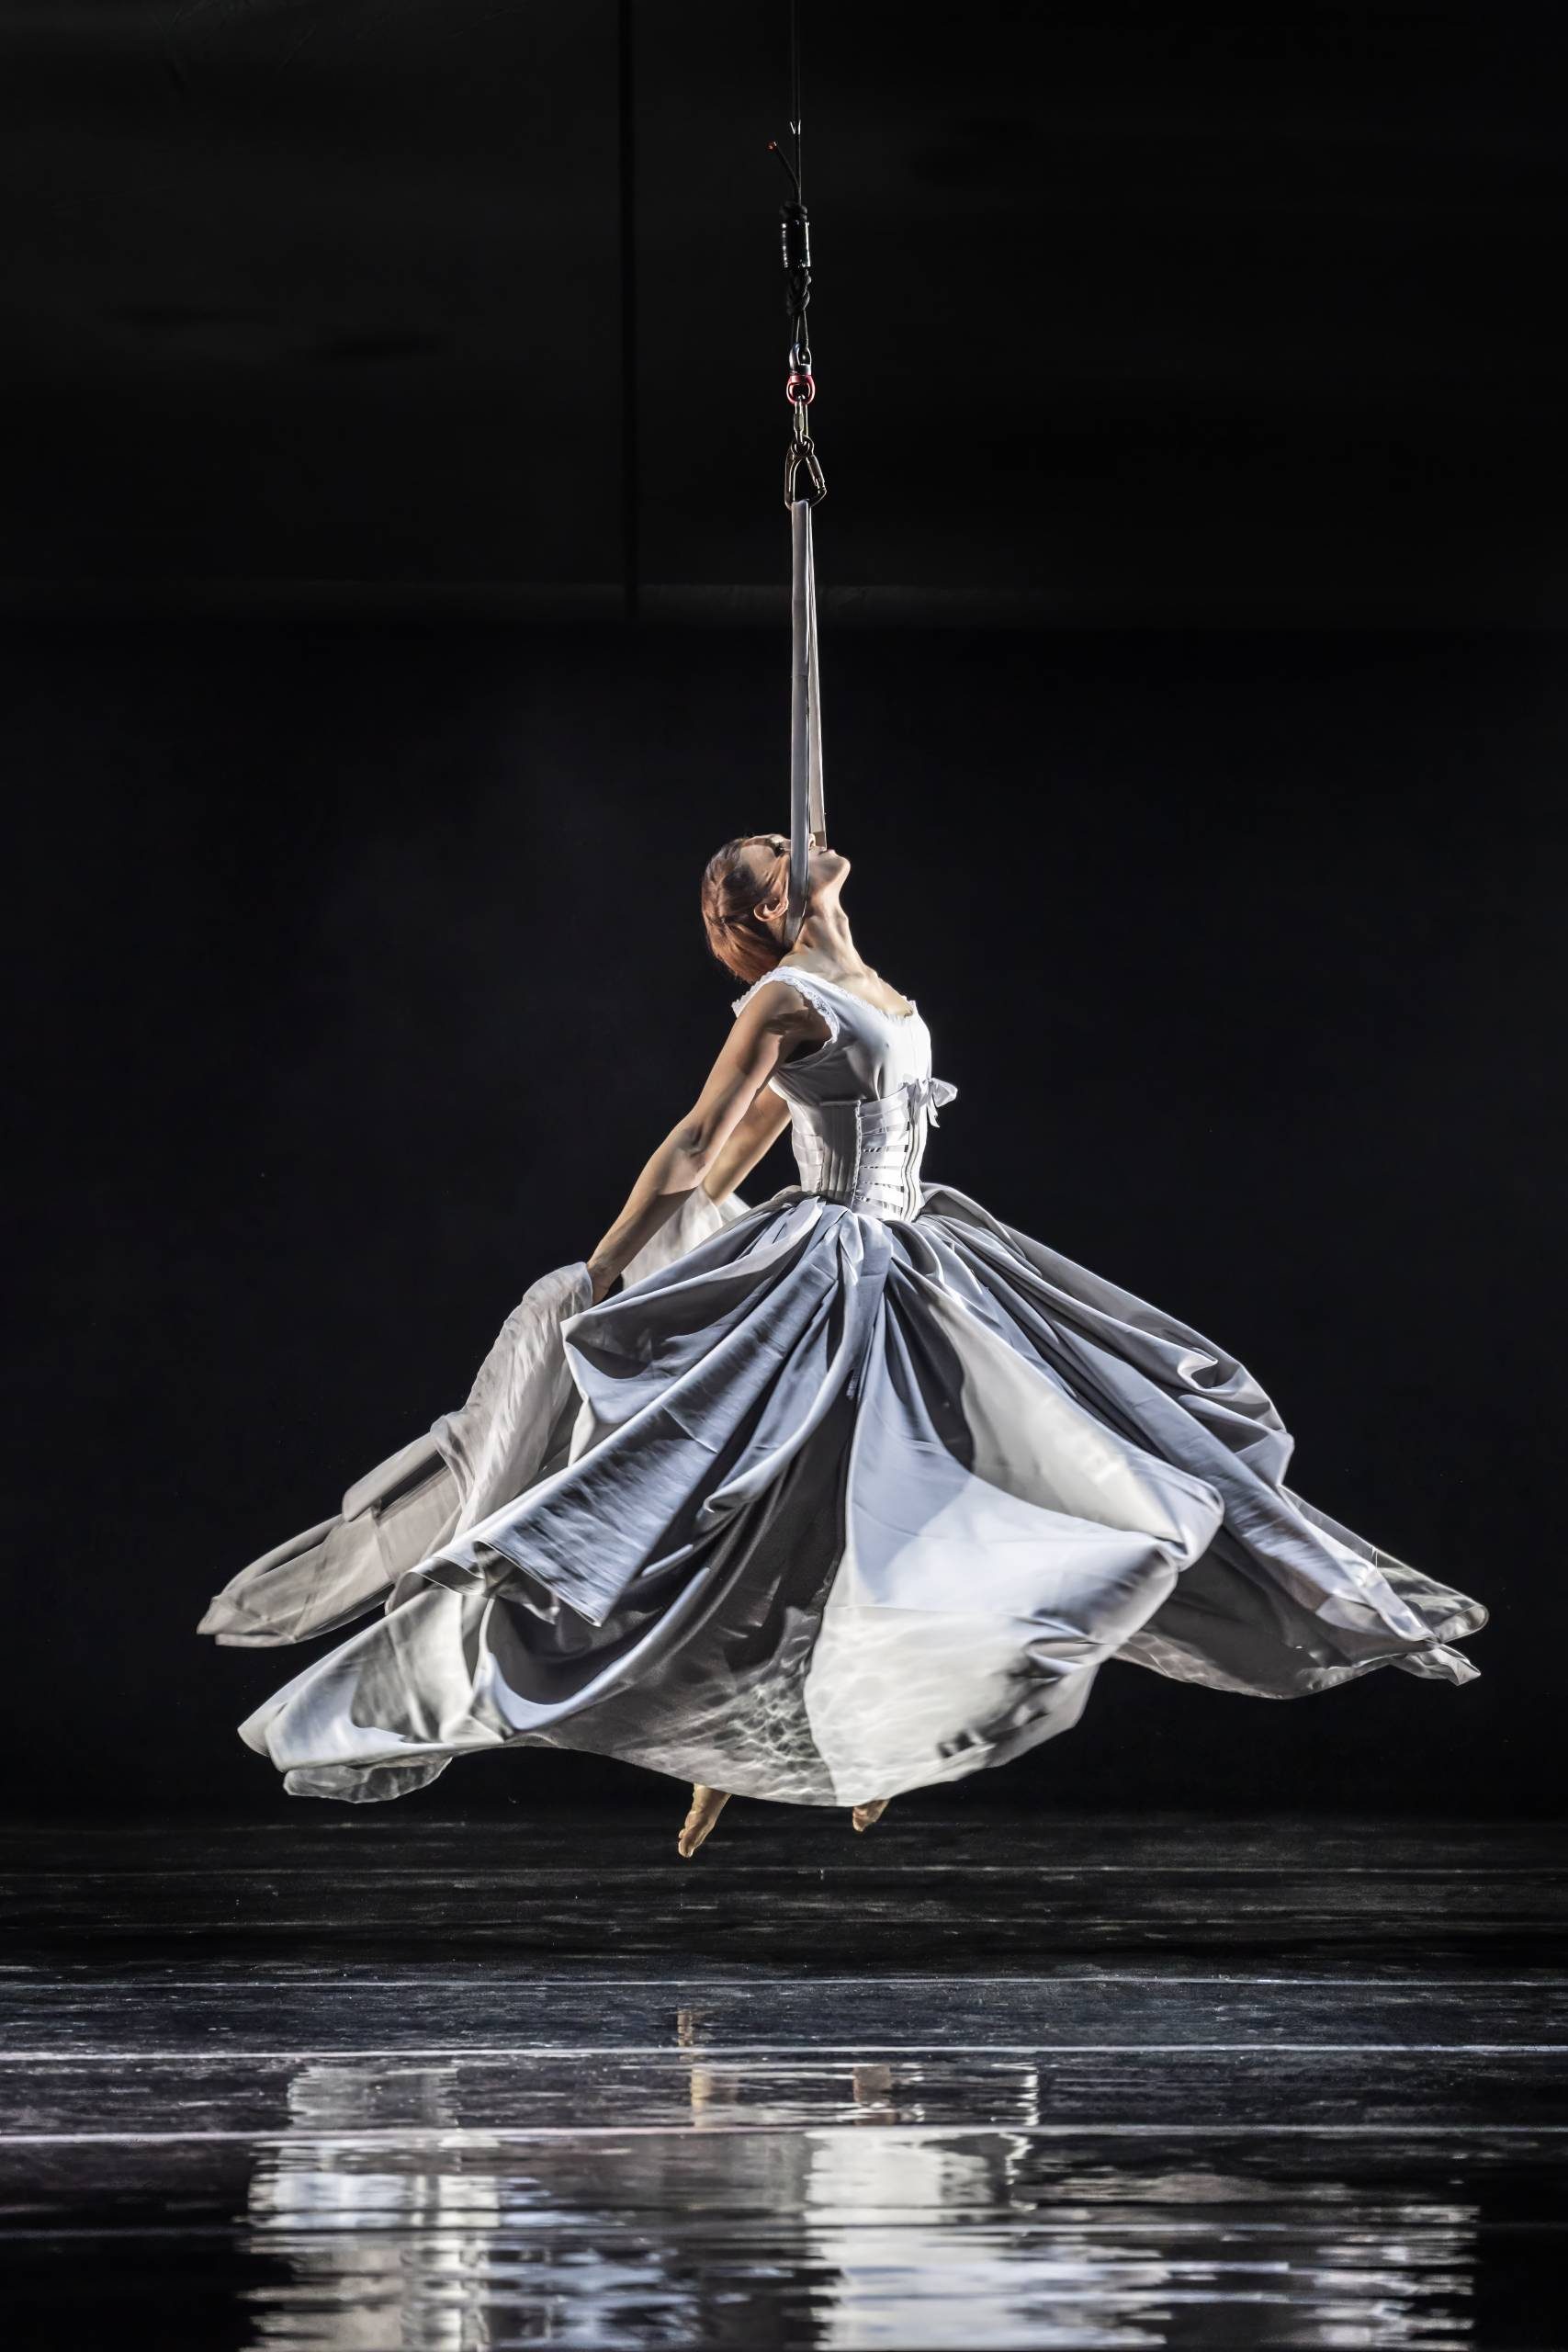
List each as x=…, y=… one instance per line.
x=856, y=1494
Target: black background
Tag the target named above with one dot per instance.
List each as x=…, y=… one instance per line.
x=376, y=682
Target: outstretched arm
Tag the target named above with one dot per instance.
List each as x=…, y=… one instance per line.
x=765, y=1033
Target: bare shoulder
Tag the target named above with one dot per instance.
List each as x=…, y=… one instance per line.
x=779, y=1008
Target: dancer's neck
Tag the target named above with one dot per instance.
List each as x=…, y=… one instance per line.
x=825, y=939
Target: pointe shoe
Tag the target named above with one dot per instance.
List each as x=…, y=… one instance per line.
x=865, y=1815
x=707, y=1806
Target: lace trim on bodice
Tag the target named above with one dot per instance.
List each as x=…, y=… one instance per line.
x=820, y=993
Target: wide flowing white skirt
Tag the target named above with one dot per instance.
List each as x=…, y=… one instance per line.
x=845, y=1507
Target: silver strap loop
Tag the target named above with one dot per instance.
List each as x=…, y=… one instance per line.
x=807, y=822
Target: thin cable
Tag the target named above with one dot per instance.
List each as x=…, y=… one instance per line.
x=631, y=453
x=797, y=117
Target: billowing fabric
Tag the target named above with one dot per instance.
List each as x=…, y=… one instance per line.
x=515, y=1425
x=854, y=1494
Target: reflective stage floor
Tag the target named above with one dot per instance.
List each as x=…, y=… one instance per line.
x=386, y=2080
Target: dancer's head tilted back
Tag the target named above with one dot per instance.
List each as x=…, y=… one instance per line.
x=745, y=900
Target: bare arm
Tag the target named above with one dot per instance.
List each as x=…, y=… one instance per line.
x=761, y=1125
x=764, y=1033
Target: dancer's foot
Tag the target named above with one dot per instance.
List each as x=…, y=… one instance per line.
x=707, y=1806
x=865, y=1815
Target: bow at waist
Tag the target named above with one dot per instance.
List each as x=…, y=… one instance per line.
x=928, y=1094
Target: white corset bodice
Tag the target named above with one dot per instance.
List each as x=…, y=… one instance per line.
x=862, y=1104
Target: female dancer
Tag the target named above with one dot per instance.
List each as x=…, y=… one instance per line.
x=824, y=1499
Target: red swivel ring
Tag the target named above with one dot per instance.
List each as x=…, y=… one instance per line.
x=800, y=387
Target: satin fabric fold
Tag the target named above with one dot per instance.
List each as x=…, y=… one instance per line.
x=856, y=1505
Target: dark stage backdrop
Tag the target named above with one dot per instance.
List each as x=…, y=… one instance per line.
x=360, y=969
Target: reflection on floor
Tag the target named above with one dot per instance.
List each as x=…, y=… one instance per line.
x=405, y=2081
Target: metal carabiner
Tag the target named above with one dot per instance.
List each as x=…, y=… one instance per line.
x=802, y=451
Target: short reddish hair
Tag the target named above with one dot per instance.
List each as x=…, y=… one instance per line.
x=743, y=944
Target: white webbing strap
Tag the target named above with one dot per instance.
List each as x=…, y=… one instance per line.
x=807, y=822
